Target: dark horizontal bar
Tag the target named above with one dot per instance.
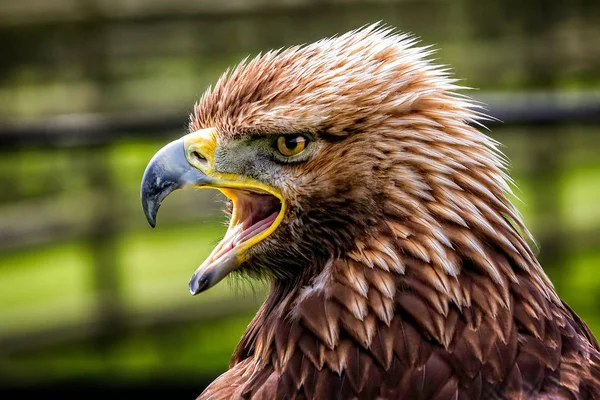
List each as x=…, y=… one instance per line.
x=86, y=130
x=162, y=318
x=543, y=108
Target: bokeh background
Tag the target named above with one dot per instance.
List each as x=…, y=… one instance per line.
x=93, y=301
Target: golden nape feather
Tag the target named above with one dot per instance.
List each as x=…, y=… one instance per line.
x=398, y=265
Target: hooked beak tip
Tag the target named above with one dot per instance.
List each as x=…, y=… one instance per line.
x=199, y=283
x=150, y=213
x=149, y=205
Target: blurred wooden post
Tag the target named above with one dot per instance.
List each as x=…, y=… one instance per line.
x=102, y=240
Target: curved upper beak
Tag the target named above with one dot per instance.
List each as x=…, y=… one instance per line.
x=168, y=170
x=182, y=163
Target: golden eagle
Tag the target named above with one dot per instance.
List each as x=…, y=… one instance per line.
x=360, y=185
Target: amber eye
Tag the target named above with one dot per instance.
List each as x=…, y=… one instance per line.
x=291, y=145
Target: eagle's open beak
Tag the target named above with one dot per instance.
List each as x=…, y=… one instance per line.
x=257, y=208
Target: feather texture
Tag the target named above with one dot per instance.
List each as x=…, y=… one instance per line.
x=400, y=271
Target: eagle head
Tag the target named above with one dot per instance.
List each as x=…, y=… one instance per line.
x=321, y=148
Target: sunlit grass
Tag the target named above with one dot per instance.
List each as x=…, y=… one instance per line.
x=580, y=194
x=581, y=289
x=45, y=287
x=157, y=265
x=54, y=285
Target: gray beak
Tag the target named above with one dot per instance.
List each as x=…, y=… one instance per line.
x=167, y=171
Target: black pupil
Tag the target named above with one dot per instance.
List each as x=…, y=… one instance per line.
x=292, y=143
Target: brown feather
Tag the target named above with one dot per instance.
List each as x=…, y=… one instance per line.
x=401, y=269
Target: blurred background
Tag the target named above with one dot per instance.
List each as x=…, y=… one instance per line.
x=94, y=301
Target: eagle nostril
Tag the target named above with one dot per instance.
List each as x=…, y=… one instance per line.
x=198, y=160
x=199, y=157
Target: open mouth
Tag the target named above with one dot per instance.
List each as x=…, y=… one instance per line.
x=256, y=214
x=253, y=219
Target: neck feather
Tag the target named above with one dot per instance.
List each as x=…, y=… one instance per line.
x=404, y=268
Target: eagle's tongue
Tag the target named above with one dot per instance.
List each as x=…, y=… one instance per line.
x=255, y=213
x=256, y=228
x=253, y=219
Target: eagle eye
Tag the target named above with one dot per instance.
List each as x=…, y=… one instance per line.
x=290, y=145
